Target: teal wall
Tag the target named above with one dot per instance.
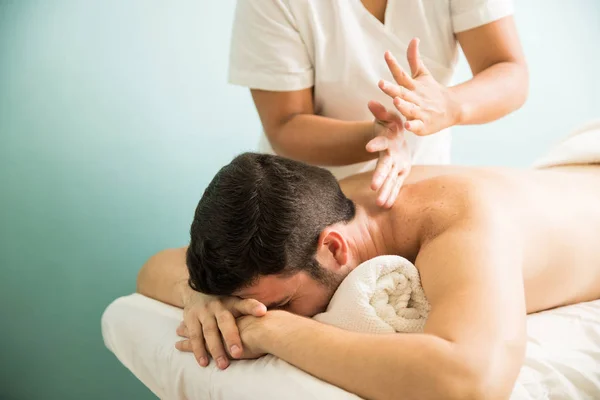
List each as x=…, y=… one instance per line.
x=114, y=116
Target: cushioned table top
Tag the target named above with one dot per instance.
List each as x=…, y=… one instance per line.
x=562, y=362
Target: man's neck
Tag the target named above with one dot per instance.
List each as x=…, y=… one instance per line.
x=376, y=234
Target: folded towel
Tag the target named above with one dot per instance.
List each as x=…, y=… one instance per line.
x=582, y=146
x=382, y=295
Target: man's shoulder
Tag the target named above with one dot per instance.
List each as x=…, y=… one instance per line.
x=443, y=201
x=451, y=191
x=420, y=176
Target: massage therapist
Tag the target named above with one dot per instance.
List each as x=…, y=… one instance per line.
x=320, y=70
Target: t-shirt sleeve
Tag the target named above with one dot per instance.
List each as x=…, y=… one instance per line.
x=469, y=14
x=266, y=50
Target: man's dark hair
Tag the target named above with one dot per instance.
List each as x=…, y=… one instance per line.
x=262, y=215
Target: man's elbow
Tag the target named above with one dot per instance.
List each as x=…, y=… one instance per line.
x=153, y=270
x=493, y=378
x=462, y=383
x=143, y=276
x=470, y=387
x=483, y=387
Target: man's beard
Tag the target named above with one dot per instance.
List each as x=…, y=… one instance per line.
x=330, y=280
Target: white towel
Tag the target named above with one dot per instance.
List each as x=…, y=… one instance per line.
x=582, y=146
x=382, y=295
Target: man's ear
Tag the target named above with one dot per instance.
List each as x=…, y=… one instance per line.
x=333, y=245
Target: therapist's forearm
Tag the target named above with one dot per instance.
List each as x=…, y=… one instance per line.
x=323, y=141
x=491, y=94
x=372, y=366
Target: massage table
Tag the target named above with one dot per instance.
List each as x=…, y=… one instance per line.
x=562, y=361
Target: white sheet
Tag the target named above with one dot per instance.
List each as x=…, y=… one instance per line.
x=141, y=333
x=581, y=146
x=563, y=358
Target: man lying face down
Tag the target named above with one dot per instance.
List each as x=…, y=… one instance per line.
x=490, y=245
x=276, y=230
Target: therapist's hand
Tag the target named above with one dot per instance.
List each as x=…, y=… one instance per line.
x=427, y=105
x=208, y=321
x=394, y=161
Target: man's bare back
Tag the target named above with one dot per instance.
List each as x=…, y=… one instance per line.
x=557, y=212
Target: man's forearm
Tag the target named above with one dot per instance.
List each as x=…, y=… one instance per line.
x=324, y=141
x=492, y=94
x=164, y=277
x=417, y=366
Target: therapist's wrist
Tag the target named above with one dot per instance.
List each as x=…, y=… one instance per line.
x=324, y=141
x=457, y=109
x=367, y=131
x=371, y=130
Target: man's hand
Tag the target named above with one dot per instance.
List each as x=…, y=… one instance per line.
x=251, y=331
x=210, y=320
x=427, y=105
x=394, y=156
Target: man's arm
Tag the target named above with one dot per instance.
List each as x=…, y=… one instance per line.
x=164, y=277
x=473, y=342
x=210, y=320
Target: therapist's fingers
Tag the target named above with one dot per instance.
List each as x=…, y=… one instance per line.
x=230, y=333
x=384, y=118
x=394, y=90
x=416, y=126
x=214, y=344
x=379, y=143
x=409, y=110
x=196, y=338
x=400, y=76
x=381, y=113
x=417, y=67
x=382, y=171
x=394, y=193
x=387, y=186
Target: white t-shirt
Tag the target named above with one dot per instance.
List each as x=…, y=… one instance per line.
x=337, y=46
